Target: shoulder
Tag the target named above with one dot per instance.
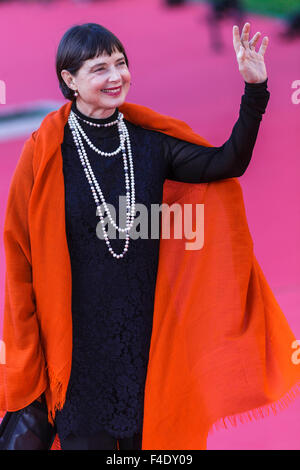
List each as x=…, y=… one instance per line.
x=53, y=124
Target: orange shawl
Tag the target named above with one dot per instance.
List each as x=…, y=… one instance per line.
x=220, y=346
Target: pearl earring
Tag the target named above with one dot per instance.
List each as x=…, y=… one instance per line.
x=75, y=93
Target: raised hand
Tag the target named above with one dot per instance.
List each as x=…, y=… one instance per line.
x=251, y=63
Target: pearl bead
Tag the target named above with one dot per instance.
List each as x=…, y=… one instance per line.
x=77, y=132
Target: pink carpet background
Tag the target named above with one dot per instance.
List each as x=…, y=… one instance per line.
x=175, y=71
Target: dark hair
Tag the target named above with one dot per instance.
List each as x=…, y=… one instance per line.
x=80, y=43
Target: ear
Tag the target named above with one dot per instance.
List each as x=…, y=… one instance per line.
x=68, y=79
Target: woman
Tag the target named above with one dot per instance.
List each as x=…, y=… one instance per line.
x=98, y=400
x=118, y=312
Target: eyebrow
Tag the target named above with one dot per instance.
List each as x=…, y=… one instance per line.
x=104, y=63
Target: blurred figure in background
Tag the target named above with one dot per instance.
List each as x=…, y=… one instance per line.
x=220, y=9
x=171, y=3
x=293, y=27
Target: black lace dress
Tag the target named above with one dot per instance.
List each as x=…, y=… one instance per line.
x=113, y=299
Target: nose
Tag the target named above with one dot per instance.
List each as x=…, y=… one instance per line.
x=115, y=75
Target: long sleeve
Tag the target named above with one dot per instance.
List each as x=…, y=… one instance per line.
x=192, y=163
x=23, y=350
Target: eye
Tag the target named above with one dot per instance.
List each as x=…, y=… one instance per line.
x=102, y=68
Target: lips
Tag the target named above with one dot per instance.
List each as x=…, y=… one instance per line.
x=112, y=90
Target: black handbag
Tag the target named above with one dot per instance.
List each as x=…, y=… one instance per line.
x=27, y=429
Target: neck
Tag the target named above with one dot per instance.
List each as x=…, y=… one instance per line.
x=91, y=111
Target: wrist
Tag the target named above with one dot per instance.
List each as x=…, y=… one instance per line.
x=256, y=83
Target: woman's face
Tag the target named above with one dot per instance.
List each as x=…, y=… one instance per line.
x=94, y=80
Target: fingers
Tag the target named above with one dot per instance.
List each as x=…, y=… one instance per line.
x=253, y=42
x=264, y=45
x=245, y=35
x=243, y=40
x=236, y=39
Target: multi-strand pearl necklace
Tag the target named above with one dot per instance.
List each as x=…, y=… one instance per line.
x=77, y=132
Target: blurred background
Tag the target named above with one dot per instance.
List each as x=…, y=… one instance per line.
x=183, y=65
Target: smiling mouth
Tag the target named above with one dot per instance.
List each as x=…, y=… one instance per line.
x=112, y=91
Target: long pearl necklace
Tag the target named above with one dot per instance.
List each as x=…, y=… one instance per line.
x=78, y=133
